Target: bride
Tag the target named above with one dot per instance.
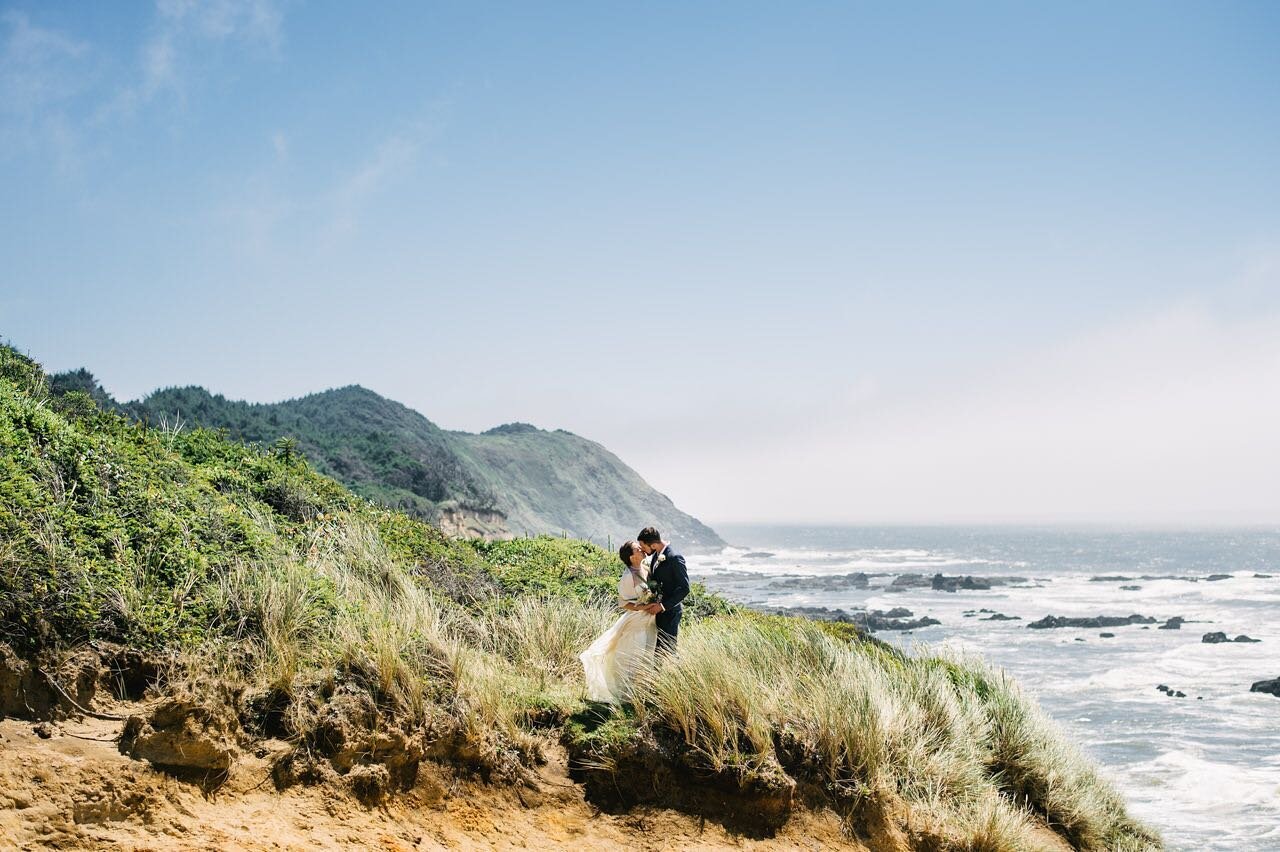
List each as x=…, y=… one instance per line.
x=614, y=658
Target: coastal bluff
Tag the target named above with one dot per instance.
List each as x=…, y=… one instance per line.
x=511, y=480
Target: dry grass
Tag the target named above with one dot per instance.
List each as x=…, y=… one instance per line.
x=956, y=742
x=949, y=737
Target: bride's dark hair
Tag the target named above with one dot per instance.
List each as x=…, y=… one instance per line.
x=624, y=552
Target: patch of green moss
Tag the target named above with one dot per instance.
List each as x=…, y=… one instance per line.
x=600, y=730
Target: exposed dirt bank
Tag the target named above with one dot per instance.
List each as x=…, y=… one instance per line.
x=75, y=790
x=92, y=757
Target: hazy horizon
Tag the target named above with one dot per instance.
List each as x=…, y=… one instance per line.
x=855, y=264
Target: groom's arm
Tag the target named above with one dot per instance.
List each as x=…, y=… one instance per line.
x=679, y=585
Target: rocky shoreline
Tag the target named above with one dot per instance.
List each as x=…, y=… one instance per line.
x=898, y=618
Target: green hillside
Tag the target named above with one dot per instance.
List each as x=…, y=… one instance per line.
x=511, y=480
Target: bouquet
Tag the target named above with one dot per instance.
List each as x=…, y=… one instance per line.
x=652, y=593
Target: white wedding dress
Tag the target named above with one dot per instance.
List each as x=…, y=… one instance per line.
x=614, y=658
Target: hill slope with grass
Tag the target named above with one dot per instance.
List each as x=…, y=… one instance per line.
x=511, y=480
x=235, y=623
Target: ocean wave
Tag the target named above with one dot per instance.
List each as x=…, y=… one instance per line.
x=1208, y=783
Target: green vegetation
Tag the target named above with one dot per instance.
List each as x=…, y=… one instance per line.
x=380, y=449
x=514, y=479
x=363, y=636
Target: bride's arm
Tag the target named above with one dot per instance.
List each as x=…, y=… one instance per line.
x=625, y=602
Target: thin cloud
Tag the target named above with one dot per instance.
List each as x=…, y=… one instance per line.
x=390, y=161
x=182, y=31
x=42, y=72
x=59, y=93
x=268, y=222
x=280, y=144
x=35, y=65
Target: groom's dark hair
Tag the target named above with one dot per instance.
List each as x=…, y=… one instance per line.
x=625, y=552
x=649, y=535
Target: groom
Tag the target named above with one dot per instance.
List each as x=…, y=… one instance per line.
x=667, y=568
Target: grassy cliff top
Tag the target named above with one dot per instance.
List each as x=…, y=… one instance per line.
x=275, y=604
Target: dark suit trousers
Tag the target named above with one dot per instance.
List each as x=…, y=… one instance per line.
x=668, y=629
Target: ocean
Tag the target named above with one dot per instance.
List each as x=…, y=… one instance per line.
x=1204, y=769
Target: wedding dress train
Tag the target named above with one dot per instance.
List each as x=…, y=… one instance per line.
x=617, y=654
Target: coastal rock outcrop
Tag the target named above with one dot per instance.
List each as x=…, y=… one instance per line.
x=1271, y=687
x=1218, y=637
x=942, y=583
x=898, y=618
x=823, y=583
x=908, y=581
x=1051, y=621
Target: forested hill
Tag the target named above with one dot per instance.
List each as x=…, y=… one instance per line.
x=510, y=480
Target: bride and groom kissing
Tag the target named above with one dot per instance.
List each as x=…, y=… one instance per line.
x=654, y=582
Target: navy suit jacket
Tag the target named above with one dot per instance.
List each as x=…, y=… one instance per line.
x=673, y=575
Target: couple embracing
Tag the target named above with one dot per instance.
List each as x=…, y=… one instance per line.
x=654, y=581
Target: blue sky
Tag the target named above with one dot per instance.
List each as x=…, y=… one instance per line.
x=840, y=262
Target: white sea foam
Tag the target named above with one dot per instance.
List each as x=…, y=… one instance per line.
x=1236, y=800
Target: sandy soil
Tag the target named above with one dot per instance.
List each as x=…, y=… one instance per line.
x=74, y=790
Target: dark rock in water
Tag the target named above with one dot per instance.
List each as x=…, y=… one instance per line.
x=1214, y=638
x=1271, y=687
x=856, y=580
x=758, y=554
x=1263, y=576
x=1000, y=616
x=970, y=614
x=1215, y=577
x=896, y=612
x=1079, y=639
x=1107, y=635
x=1145, y=627
x=1174, y=623
x=943, y=583
x=875, y=622
x=907, y=581
x=869, y=621
x=818, y=613
x=1130, y=588
x=1243, y=638
x=951, y=584
x=1095, y=622
x=1162, y=687
x=1180, y=694
x=1109, y=578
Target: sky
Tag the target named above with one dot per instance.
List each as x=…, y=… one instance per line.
x=793, y=262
